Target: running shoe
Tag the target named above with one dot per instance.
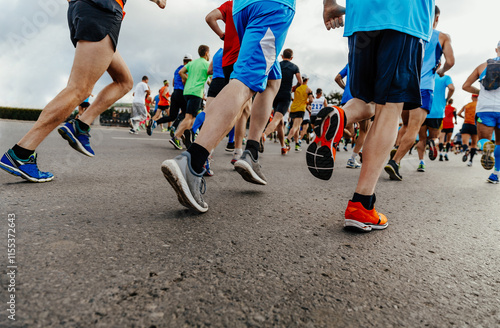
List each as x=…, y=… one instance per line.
x=352, y=164
x=493, y=178
x=76, y=137
x=446, y=157
x=26, y=169
x=392, y=168
x=176, y=143
x=321, y=152
x=469, y=163
x=284, y=151
x=287, y=143
x=187, y=138
x=149, y=124
x=488, y=161
x=189, y=185
x=298, y=148
x=230, y=146
x=172, y=132
x=164, y=130
x=236, y=156
x=421, y=167
x=466, y=156
x=208, y=171
x=250, y=169
x=132, y=131
x=393, y=153
x=359, y=218
x=433, y=151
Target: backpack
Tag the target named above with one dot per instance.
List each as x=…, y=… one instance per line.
x=491, y=80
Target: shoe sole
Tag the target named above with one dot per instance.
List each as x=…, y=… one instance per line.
x=488, y=161
x=73, y=142
x=420, y=170
x=492, y=181
x=364, y=227
x=245, y=170
x=18, y=173
x=173, y=144
x=392, y=173
x=174, y=176
x=321, y=160
x=433, y=152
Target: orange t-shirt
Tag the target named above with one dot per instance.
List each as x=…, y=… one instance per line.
x=164, y=100
x=470, y=113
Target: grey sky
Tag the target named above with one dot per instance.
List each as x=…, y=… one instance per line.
x=36, y=53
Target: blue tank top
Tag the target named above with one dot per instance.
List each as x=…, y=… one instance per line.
x=217, y=65
x=433, y=53
x=178, y=79
x=239, y=5
x=413, y=17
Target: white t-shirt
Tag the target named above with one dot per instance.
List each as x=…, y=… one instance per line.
x=317, y=105
x=140, y=92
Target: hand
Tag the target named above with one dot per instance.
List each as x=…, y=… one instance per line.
x=332, y=14
x=440, y=72
x=160, y=3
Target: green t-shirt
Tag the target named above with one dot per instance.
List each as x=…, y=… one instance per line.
x=197, y=77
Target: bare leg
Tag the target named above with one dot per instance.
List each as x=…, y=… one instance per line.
x=271, y=127
x=364, y=126
x=422, y=142
x=262, y=107
x=241, y=126
x=91, y=60
x=379, y=142
x=357, y=110
x=186, y=124
x=415, y=119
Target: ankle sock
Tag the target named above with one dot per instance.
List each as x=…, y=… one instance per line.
x=199, y=156
x=368, y=202
x=82, y=126
x=253, y=147
x=22, y=153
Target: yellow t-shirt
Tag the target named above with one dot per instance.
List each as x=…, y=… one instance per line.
x=300, y=97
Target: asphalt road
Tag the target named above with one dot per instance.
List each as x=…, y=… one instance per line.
x=106, y=244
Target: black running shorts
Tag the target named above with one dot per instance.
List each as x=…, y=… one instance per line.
x=216, y=86
x=295, y=115
x=469, y=129
x=281, y=106
x=447, y=130
x=89, y=22
x=193, y=105
x=434, y=123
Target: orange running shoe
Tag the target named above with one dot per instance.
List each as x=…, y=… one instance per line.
x=356, y=216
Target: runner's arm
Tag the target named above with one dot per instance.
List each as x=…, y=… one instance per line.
x=332, y=14
x=447, y=52
x=340, y=81
x=212, y=19
x=160, y=3
x=473, y=78
x=183, y=74
x=451, y=91
x=461, y=111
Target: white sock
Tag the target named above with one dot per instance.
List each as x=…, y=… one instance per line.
x=354, y=155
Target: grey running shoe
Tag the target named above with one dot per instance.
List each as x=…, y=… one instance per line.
x=250, y=169
x=189, y=185
x=392, y=168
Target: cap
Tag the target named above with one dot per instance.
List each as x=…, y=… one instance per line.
x=188, y=57
x=305, y=77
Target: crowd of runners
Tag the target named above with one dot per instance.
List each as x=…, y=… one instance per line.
x=397, y=96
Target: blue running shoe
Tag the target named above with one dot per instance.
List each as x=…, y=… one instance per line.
x=493, y=178
x=26, y=169
x=76, y=137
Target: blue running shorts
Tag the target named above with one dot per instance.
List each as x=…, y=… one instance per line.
x=427, y=98
x=262, y=28
x=491, y=119
x=385, y=66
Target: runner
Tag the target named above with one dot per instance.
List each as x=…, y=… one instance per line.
x=469, y=130
x=416, y=121
x=94, y=28
x=139, y=111
x=317, y=105
x=281, y=103
x=262, y=27
x=376, y=77
x=193, y=93
x=449, y=122
x=488, y=111
x=303, y=96
x=163, y=104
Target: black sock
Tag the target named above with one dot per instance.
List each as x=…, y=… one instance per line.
x=472, y=153
x=253, y=148
x=448, y=146
x=368, y=202
x=22, y=153
x=84, y=127
x=441, y=147
x=199, y=156
x=464, y=148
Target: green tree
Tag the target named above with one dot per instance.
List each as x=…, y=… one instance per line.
x=334, y=98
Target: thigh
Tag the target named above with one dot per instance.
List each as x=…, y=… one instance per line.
x=484, y=131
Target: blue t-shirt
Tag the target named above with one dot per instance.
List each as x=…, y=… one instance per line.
x=178, y=85
x=432, y=55
x=413, y=17
x=217, y=65
x=439, y=101
x=347, y=91
x=239, y=5
x=157, y=100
